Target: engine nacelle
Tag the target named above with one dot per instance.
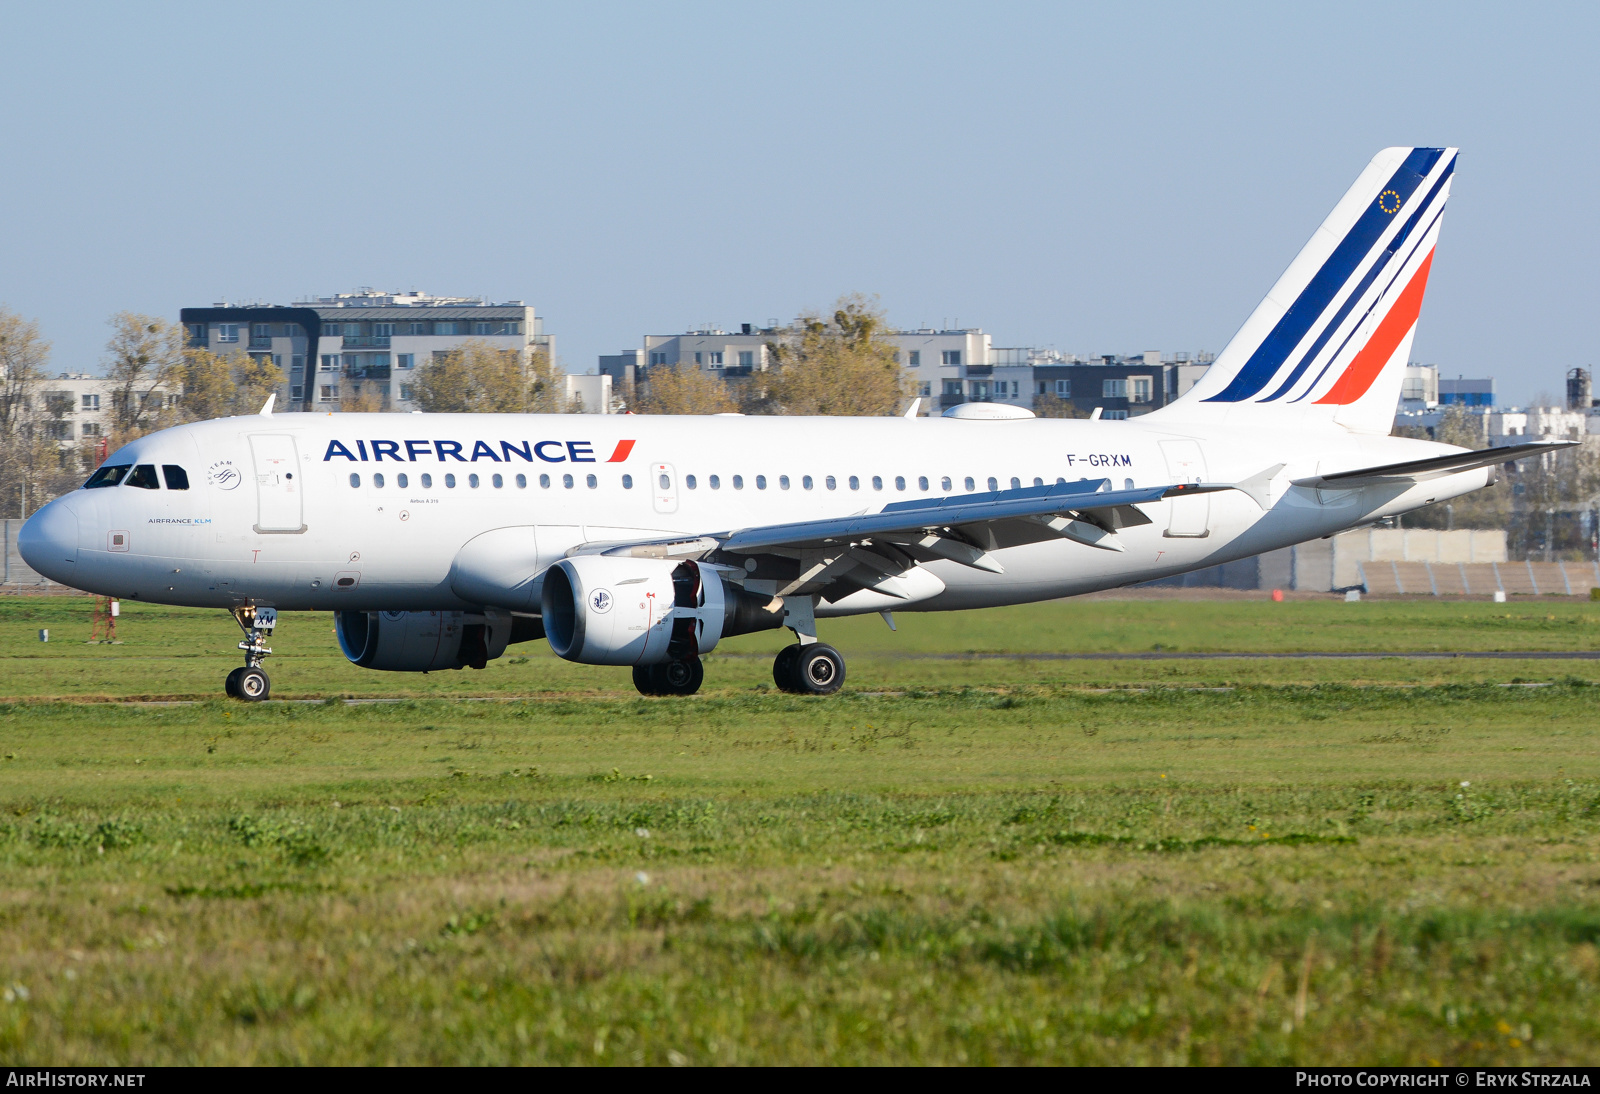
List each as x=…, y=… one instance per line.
x=424, y=641
x=604, y=610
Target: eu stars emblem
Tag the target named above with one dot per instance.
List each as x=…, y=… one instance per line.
x=1389, y=202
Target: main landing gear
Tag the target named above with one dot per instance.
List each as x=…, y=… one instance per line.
x=681, y=676
x=251, y=683
x=813, y=668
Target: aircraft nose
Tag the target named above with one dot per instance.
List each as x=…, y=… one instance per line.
x=48, y=541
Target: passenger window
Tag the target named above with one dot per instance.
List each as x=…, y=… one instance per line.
x=402, y=480
x=714, y=482
x=994, y=483
x=498, y=482
x=877, y=482
x=805, y=481
x=449, y=481
x=472, y=481
x=1037, y=481
x=922, y=482
x=689, y=481
x=627, y=482
x=377, y=480
x=900, y=483
x=355, y=481
x=738, y=482
x=544, y=482
x=144, y=477
x=971, y=485
x=566, y=481
x=855, y=483
x=522, y=482
x=106, y=476
x=427, y=481
x=783, y=482
x=178, y=479
x=831, y=482
x=761, y=482
x=945, y=484
x=592, y=482
x=1016, y=483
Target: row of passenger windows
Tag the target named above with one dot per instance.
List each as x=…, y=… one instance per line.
x=692, y=482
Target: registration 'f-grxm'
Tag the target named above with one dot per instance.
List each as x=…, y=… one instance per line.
x=438, y=540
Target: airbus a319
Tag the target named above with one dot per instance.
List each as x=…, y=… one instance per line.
x=439, y=540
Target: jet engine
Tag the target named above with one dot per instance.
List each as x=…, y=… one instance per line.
x=602, y=610
x=427, y=641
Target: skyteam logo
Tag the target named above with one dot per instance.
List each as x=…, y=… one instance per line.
x=1354, y=309
x=443, y=451
x=600, y=601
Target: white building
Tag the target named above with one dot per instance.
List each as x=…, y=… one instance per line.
x=73, y=407
x=336, y=347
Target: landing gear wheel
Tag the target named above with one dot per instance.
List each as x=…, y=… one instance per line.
x=783, y=673
x=819, y=669
x=232, y=684
x=681, y=677
x=254, y=685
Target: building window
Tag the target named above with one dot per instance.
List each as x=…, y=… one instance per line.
x=1063, y=389
x=951, y=356
x=716, y=359
x=380, y=360
x=405, y=360
x=925, y=389
x=914, y=359
x=382, y=330
x=446, y=328
x=297, y=393
x=91, y=402
x=952, y=387
x=405, y=392
x=1115, y=415
x=1113, y=389
x=277, y=360
x=1141, y=389
x=260, y=330
x=297, y=363
x=699, y=359
x=658, y=359
x=416, y=328
x=980, y=391
x=747, y=358
x=227, y=332
x=483, y=328
x=330, y=362
x=330, y=391
x=91, y=429
x=197, y=331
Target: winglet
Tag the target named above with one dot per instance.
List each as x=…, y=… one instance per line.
x=266, y=407
x=911, y=411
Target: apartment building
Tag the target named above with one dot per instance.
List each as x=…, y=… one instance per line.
x=335, y=348
x=74, y=407
x=947, y=367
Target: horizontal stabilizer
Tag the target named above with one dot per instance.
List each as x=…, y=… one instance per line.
x=1435, y=468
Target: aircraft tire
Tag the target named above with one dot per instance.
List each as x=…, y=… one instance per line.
x=254, y=685
x=819, y=669
x=783, y=674
x=231, y=685
x=644, y=679
x=682, y=677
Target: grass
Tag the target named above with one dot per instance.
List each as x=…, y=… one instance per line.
x=953, y=861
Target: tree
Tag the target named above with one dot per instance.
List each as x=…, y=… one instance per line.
x=684, y=389
x=145, y=357
x=24, y=355
x=477, y=377
x=1053, y=406
x=841, y=364
x=215, y=386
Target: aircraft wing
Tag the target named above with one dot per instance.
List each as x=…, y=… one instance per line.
x=866, y=550
x=1434, y=468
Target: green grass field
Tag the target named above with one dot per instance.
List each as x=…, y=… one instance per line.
x=996, y=860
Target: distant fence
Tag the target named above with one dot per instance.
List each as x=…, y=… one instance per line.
x=1480, y=578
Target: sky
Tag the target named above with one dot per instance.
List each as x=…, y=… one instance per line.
x=1097, y=178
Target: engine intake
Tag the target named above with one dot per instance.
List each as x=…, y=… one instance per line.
x=603, y=610
x=424, y=641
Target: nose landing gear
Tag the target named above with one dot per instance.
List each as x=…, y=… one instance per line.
x=251, y=683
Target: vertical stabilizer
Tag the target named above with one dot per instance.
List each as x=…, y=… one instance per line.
x=1329, y=344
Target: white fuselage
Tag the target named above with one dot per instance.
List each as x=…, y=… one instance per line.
x=288, y=511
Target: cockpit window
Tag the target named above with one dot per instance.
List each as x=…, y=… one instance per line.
x=144, y=477
x=177, y=478
x=106, y=476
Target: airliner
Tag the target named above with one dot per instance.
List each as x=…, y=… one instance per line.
x=438, y=540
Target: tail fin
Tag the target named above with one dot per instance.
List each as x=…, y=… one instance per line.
x=1329, y=344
